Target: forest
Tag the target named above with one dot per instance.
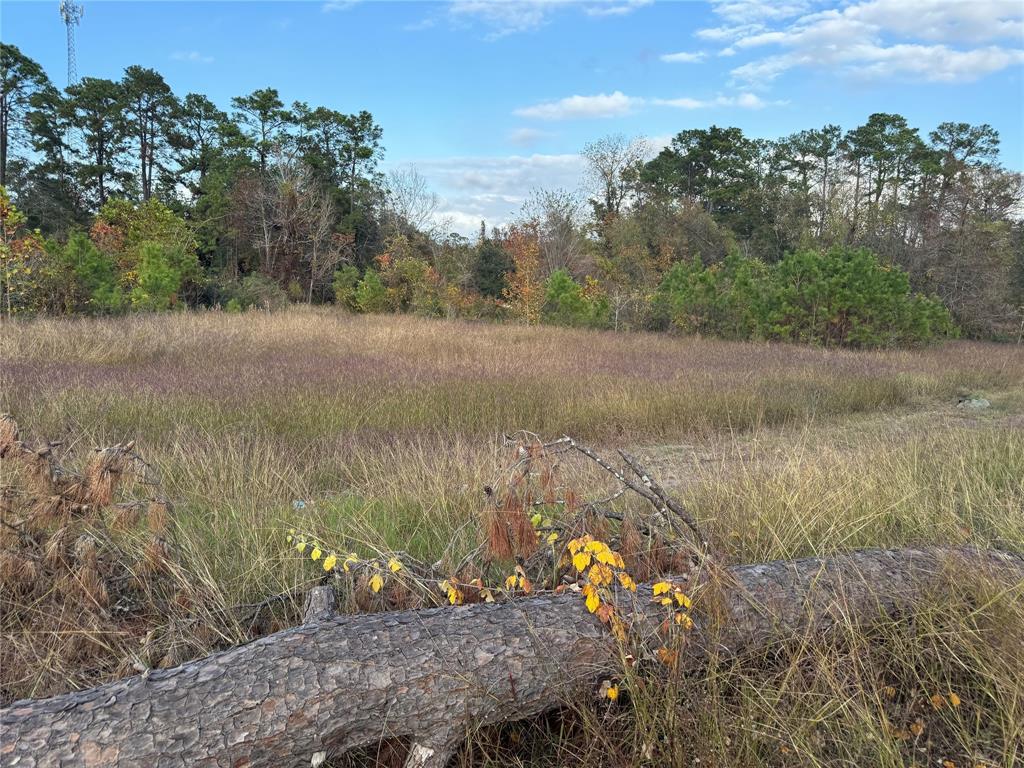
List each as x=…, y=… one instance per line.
x=123, y=196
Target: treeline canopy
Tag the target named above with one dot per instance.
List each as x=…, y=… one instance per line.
x=279, y=203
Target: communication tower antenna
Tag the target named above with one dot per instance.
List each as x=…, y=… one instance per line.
x=72, y=15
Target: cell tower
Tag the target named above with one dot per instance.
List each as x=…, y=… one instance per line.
x=72, y=15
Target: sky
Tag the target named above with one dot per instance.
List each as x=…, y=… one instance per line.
x=491, y=99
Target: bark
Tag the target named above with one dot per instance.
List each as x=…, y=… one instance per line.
x=308, y=693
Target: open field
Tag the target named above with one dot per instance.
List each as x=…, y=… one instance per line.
x=388, y=428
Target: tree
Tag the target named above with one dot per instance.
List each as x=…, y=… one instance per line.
x=491, y=268
x=47, y=187
x=410, y=203
x=97, y=112
x=612, y=168
x=289, y=219
x=525, y=291
x=149, y=106
x=359, y=152
x=559, y=216
x=20, y=254
x=432, y=676
x=263, y=119
x=199, y=137
x=20, y=79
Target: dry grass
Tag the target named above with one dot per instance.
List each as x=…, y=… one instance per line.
x=388, y=428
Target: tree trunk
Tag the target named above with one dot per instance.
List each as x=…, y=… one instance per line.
x=315, y=691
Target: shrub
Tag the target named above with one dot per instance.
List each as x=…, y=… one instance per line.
x=566, y=302
x=846, y=297
x=842, y=297
x=371, y=295
x=95, y=281
x=344, y=285
x=161, y=272
x=252, y=291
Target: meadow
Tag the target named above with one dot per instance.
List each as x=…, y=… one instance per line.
x=380, y=433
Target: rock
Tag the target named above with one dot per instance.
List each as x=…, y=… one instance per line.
x=974, y=403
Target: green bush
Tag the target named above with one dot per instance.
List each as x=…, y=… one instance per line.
x=252, y=291
x=162, y=270
x=842, y=297
x=96, y=287
x=566, y=302
x=345, y=281
x=371, y=295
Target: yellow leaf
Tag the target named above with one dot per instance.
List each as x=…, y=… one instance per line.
x=596, y=547
x=394, y=565
x=667, y=657
x=537, y=519
x=626, y=581
x=917, y=727
x=580, y=561
x=349, y=560
x=315, y=554
x=954, y=700
x=454, y=595
x=610, y=558
x=330, y=561
x=593, y=601
x=510, y=582
x=685, y=621
x=289, y=538
x=301, y=546
x=613, y=692
x=666, y=601
x=948, y=764
x=938, y=702
x=600, y=574
x=552, y=537
x=661, y=587
x=487, y=595
x=376, y=582
x=575, y=544
x=683, y=600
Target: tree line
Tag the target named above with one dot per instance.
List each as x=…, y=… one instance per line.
x=121, y=195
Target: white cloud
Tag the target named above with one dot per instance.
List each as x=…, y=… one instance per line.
x=683, y=57
x=582, y=107
x=874, y=38
x=525, y=137
x=193, y=56
x=507, y=17
x=615, y=7
x=743, y=101
x=338, y=5
x=493, y=189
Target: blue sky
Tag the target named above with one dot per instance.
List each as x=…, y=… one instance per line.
x=489, y=99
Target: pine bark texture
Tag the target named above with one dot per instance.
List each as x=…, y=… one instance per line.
x=315, y=691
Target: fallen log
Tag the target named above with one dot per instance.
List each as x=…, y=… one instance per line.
x=305, y=694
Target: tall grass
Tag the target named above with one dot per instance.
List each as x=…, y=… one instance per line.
x=388, y=428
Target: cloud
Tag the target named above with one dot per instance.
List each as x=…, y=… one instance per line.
x=743, y=101
x=683, y=57
x=615, y=7
x=872, y=39
x=526, y=137
x=193, y=56
x=582, y=107
x=508, y=17
x=338, y=5
x=494, y=188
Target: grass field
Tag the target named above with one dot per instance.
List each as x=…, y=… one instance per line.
x=388, y=428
